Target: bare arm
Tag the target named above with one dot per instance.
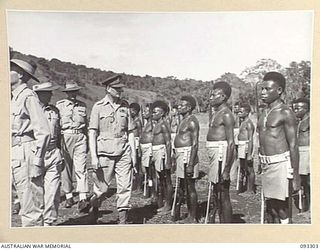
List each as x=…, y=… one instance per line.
x=139, y=127
x=167, y=139
x=194, y=129
x=93, y=147
x=250, y=128
x=290, y=130
x=228, y=121
x=132, y=143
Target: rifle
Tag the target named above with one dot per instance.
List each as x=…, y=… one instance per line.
x=220, y=192
x=290, y=201
x=300, y=201
x=208, y=203
x=145, y=185
x=175, y=196
x=185, y=164
x=238, y=177
x=262, y=207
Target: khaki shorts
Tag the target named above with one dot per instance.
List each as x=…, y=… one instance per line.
x=146, y=154
x=304, y=160
x=217, y=153
x=159, y=157
x=182, y=158
x=274, y=177
x=242, y=149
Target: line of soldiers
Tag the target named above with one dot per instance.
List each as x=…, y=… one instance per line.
x=50, y=143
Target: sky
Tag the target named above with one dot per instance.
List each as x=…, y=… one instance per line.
x=201, y=46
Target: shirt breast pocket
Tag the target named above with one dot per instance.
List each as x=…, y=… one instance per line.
x=81, y=114
x=16, y=118
x=122, y=119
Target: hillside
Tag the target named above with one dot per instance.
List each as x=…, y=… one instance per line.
x=148, y=88
x=139, y=89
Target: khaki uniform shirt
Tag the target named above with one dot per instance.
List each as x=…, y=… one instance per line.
x=112, y=122
x=53, y=117
x=28, y=121
x=73, y=114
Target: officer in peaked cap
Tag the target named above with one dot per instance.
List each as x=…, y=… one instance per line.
x=114, y=82
x=30, y=134
x=53, y=158
x=73, y=114
x=112, y=145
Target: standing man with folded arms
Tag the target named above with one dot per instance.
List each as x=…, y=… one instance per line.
x=74, y=145
x=30, y=136
x=279, y=155
x=112, y=147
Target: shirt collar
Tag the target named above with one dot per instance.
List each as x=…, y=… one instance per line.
x=107, y=100
x=16, y=92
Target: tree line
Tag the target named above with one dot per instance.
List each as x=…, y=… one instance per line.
x=170, y=88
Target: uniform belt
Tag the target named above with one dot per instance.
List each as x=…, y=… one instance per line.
x=243, y=142
x=216, y=144
x=158, y=147
x=72, y=131
x=146, y=145
x=18, y=140
x=109, y=135
x=268, y=159
x=183, y=149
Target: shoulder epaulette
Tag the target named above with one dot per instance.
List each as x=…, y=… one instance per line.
x=82, y=103
x=54, y=108
x=61, y=101
x=99, y=102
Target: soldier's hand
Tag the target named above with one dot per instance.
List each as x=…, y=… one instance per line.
x=249, y=158
x=143, y=169
x=225, y=176
x=189, y=172
x=168, y=164
x=134, y=161
x=259, y=171
x=95, y=163
x=135, y=171
x=35, y=171
x=296, y=185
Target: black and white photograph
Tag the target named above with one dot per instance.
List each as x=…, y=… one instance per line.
x=131, y=118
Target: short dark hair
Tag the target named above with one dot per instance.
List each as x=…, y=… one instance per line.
x=277, y=78
x=190, y=99
x=135, y=106
x=161, y=104
x=224, y=86
x=246, y=106
x=302, y=100
x=175, y=106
